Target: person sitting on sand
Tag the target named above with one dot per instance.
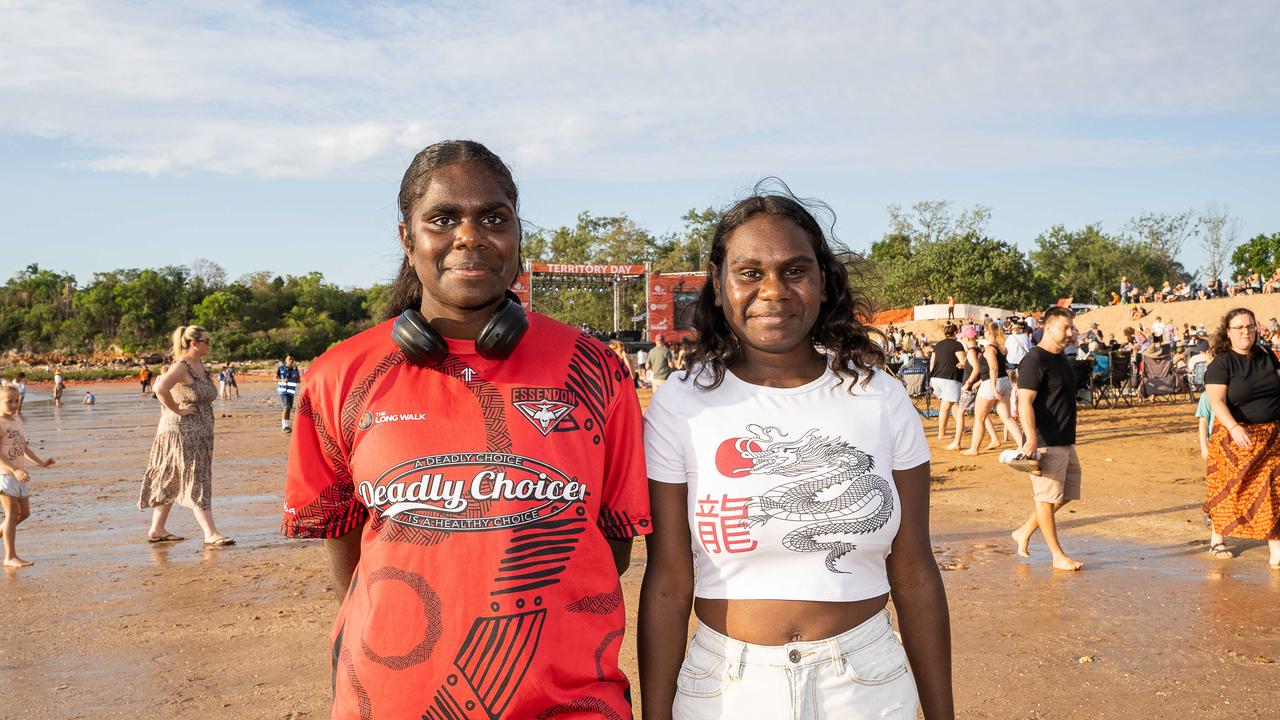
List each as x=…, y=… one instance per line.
x=89, y=398
x=14, y=454
x=1047, y=410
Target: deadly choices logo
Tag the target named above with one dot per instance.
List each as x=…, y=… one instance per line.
x=471, y=491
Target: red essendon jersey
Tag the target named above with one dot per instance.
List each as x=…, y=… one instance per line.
x=486, y=490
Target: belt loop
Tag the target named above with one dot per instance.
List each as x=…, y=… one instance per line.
x=733, y=654
x=837, y=656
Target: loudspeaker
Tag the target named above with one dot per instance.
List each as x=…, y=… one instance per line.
x=422, y=344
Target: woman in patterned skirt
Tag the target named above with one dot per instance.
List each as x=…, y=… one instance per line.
x=1243, y=385
x=181, y=466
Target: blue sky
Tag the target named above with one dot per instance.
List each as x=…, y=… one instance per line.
x=272, y=136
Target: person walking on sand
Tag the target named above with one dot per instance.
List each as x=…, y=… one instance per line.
x=1243, y=386
x=1047, y=411
x=230, y=374
x=945, y=375
x=15, y=452
x=659, y=362
x=180, y=468
x=21, y=384
x=287, y=378
x=994, y=389
x=59, y=384
x=144, y=378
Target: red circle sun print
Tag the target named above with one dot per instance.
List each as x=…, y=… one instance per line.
x=733, y=457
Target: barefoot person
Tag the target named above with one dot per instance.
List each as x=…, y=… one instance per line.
x=994, y=389
x=15, y=452
x=180, y=468
x=287, y=378
x=944, y=378
x=478, y=474
x=1047, y=411
x=800, y=477
x=1243, y=385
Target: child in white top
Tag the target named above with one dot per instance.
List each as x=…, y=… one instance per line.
x=14, y=454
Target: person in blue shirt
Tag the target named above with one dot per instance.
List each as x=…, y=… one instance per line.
x=287, y=378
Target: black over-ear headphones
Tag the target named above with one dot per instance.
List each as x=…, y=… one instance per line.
x=422, y=344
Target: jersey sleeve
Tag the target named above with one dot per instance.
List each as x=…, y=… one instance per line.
x=909, y=446
x=663, y=453
x=624, y=507
x=319, y=495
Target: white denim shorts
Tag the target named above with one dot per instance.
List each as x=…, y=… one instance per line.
x=948, y=390
x=13, y=487
x=987, y=390
x=860, y=673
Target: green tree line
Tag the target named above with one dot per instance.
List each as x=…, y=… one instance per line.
x=929, y=248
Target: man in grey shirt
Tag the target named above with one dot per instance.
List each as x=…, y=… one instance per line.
x=659, y=362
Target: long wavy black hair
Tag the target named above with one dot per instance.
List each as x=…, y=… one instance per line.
x=843, y=328
x=406, y=289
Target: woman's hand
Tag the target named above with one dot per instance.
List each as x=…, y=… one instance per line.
x=1240, y=436
x=21, y=474
x=185, y=410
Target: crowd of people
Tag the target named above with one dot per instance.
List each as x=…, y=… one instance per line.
x=496, y=466
x=1247, y=283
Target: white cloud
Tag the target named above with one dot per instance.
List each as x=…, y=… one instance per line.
x=625, y=90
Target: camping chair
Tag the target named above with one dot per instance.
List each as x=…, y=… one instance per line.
x=1196, y=378
x=1160, y=378
x=1084, y=380
x=1101, y=374
x=1113, y=388
x=915, y=376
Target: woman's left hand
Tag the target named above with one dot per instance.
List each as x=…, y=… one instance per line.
x=1241, y=437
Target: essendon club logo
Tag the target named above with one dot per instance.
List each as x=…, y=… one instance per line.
x=547, y=409
x=471, y=491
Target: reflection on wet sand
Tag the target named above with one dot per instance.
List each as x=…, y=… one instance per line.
x=114, y=626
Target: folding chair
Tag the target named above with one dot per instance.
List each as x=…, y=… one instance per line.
x=1160, y=379
x=915, y=376
x=1084, y=380
x=1196, y=378
x=1114, y=388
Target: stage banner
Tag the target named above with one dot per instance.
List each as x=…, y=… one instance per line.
x=585, y=269
x=523, y=288
x=671, y=299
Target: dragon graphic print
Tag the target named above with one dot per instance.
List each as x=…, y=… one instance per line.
x=835, y=491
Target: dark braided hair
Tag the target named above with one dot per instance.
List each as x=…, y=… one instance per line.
x=842, y=328
x=406, y=289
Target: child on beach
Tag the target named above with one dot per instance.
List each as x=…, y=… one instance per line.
x=14, y=454
x=89, y=398
x=1204, y=412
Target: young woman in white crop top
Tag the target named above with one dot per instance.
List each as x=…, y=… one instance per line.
x=799, y=477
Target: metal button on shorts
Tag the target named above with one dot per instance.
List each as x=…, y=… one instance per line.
x=794, y=656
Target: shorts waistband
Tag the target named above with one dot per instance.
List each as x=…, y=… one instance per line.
x=795, y=654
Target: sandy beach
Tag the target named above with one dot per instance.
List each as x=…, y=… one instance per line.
x=105, y=625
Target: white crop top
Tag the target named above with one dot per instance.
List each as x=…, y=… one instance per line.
x=791, y=493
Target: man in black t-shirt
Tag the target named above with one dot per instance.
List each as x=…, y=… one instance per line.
x=1047, y=412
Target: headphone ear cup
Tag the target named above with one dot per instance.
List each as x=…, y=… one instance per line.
x=503, y=331
x=419, y=341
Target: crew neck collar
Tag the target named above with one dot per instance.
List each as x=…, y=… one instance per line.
x=821, y=381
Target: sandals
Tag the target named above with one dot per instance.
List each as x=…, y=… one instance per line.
x=1220, y=551
x=167, y=537
x=220, y=542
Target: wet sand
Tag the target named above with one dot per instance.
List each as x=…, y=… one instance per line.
x=107, y=626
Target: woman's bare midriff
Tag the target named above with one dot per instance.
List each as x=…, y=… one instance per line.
x=778, y=622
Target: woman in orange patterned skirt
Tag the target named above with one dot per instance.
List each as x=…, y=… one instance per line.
x=1243, y=384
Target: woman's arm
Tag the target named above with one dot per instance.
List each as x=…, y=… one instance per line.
x=1218, y=402
x=666, y=598
x=1203, y=436
x=971, y=357
x=162, y=388
x=919, y=598
x=33, y=457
